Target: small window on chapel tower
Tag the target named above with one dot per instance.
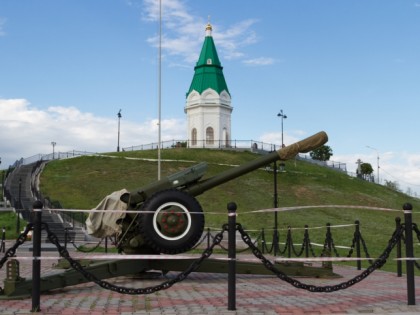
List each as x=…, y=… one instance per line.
x=209, y=61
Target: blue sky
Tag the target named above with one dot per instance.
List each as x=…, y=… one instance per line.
x=348, y=67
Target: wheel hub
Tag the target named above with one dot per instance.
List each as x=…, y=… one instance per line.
x=172, y=223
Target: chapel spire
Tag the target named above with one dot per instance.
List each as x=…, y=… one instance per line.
x=208, y=104
x=208, y=71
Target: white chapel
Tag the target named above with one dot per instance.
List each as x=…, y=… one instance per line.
x=208, y=105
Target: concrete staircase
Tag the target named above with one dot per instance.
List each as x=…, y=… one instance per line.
x=21, y=185
x=18, y=185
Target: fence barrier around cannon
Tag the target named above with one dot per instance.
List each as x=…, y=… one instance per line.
x=403, y=233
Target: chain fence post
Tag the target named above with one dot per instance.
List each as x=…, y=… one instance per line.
x=3, y=238
x=208, y=237
x=357, y=239
x=328, y=239
x=66, y=232
x=262, y=241
x=409, y=253
x=232, y=256
x=276, y=239
x=36, y=255
x=399, y=252
x=306, y=243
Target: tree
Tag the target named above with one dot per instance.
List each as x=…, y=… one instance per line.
x=364, y=171
x=392, y=185
x=323, y=153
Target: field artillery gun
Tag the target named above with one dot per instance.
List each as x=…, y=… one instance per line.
x=169, y=219
x=166, y=218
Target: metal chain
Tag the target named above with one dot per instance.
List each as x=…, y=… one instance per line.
x=276, y=241
x=365, y=249
x=311, y=247
x=298, y=254
x=148, y=290
x=237, y=251
x=80, y=248
x=416, y=229
x=329, y=242
x=19, y=241
x=263, y=245
x=353, y=245
x=378, y=263
x=205, y=236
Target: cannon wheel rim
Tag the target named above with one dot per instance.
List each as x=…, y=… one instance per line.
x=157, y=221
x=150, y=223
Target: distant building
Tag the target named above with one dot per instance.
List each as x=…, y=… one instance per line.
x=208, y=105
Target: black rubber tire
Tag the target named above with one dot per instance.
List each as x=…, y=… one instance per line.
x=158, y=237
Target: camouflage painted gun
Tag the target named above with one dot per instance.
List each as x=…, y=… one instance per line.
x=169, y=219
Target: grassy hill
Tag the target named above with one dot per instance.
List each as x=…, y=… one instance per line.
x=81, y=183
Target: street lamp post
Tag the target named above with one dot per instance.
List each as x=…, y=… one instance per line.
x=53, y=143
x=276, y=235
x=19, y=207
x=119, y=118
x=283, y=116
x=377, y=161
x=1, y=182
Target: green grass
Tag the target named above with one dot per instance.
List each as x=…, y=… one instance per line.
x=8, y=221
x=81, y=183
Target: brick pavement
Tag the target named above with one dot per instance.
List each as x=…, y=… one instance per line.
x=205, y=293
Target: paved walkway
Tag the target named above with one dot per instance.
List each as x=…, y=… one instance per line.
x=205, y=293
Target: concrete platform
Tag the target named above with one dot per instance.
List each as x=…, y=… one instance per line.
x=206, y=293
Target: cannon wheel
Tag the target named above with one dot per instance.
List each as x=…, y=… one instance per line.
x=174, y=221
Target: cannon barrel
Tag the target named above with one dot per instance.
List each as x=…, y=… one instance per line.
x=189, y=180
x=169, y=217
x=282, y=154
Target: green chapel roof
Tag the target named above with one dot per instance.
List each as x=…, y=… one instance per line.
x=208, y=72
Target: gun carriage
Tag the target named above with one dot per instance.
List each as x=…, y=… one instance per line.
x=170, y=220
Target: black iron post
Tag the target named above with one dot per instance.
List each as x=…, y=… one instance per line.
x=66, y=231
x=409, y=253
x=3, y=238
x=2, y=182
x=276, y=235
x=328, y=245
x=276, y=238
x=306, y=238
x=119, y=118
x=262, y=241
x=357, y=239
x=36, y=255
x=399, y=252
x=19, y=207
x=283, y=116
x=232, y=256
x=208, y=237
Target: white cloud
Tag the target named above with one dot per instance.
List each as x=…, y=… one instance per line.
x=262, y=61
x=27, y=131
x=403, y=168
x=183, y=32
